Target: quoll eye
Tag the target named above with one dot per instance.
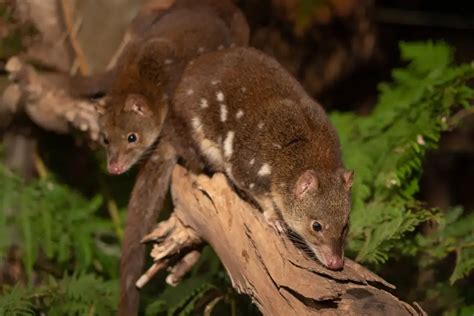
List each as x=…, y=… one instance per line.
x=316, y=226
x=132, y=138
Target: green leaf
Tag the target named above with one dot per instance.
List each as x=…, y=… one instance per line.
x=386, y=148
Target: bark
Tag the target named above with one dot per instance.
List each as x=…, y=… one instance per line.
x=279, y=277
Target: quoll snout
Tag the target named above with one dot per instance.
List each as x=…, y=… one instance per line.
x=335, y=262
x=114, y=167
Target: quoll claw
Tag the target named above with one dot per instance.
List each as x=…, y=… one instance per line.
x=276, y=223
x=279, y=226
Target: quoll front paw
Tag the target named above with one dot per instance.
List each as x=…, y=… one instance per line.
x=275, y=222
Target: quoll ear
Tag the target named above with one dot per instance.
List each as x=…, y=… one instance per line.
x=347, y=177
x=136, y=103
x=306, y=183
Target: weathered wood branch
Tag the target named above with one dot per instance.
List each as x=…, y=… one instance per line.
x=279, y=277
x=48, y=100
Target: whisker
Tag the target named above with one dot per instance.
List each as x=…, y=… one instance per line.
x=297, y=242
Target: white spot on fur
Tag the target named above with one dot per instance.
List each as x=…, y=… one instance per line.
x=252, y=161
x=214, y=82
x=212, y=152
x=220, y=96
x=190, y=92
x=243, y=89
x=239, y=114
x=251, y=185
x=203, y=103
x=229, y=144
x=221, y=47
x=228, y=171
x=265, y=170
x=277, y=146
x=168, y=61
x=201, y=50
x=223, y=113
x=191, y=62
x=196, y=122
x=260, y=125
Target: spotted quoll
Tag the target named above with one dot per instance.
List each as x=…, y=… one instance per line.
x=135, y=109
x=250, y=119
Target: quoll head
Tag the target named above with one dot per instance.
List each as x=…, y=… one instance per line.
x=133, y=113
x=320, y=213
x=128, y=132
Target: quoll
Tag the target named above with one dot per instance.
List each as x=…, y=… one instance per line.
x=249, y=118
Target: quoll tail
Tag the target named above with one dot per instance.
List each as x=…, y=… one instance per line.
x=145, y=204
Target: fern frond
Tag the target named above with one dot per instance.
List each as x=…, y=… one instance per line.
x=16, y=302
x=386, y=148
x=52, y=219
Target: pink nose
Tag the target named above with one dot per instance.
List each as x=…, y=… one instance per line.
x=335, y=263
x=115, y=169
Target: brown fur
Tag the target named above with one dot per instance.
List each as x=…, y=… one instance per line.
x=152, y=65
x=146, y=201
x=150, y=68
x=274, y=142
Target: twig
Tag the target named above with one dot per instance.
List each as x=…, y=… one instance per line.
x=39, y=165
x=426, y=19
x=114, y=215
x=149, y=274
x=69, y=21
x=112, y=209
